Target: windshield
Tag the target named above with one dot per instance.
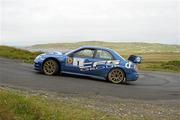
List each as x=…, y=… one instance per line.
x=70, y=51
x=65, y=52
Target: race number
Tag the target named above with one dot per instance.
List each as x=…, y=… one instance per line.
x=78, y=62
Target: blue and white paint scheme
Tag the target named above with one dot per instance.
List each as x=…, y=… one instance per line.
x=91, y=61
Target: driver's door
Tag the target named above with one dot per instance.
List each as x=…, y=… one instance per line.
x=77, y=60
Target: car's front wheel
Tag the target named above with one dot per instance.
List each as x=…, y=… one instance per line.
x=116, y=76
x=50, y=67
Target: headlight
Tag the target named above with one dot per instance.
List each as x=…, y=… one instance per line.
x=39, y=57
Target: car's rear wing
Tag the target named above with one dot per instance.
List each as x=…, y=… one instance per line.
x=135, y=59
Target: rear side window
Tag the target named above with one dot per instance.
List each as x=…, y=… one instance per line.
x=85, y=53
x=102, y=54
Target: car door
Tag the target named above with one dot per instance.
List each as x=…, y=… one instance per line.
x=103, y=61
x=79, y=60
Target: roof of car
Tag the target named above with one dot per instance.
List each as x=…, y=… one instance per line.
x=95, y=47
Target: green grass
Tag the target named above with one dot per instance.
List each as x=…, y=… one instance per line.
x=18, y=106
x=14, y=53
x=168, y=62
x=171, y=65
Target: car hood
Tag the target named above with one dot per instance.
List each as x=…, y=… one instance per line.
x=50, y=54
x=54, y=53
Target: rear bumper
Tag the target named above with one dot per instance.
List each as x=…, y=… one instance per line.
x=132, y=76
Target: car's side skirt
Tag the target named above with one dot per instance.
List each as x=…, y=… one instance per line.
x=92, y=76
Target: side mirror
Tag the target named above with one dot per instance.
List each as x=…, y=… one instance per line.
x=71, y=55
x=135, y=59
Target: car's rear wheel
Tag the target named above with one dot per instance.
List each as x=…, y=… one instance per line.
x=50, y=67
x=116, y=76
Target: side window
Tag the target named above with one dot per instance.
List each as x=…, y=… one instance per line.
x=85, y=53
x=102, y=54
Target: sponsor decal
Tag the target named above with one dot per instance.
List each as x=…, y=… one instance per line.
x=89, y=66
x=70, y=60
x=128, y=65
x=99, y=65
x=138, y=59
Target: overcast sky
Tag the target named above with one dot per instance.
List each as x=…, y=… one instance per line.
x=27, y=22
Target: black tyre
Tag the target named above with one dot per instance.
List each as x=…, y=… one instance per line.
x=50, y=67
x=116, y=76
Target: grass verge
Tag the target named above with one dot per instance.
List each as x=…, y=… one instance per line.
x=18, y=106
x=14, y=53
x=40, y=105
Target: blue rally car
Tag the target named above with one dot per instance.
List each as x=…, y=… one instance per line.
x=100, y=63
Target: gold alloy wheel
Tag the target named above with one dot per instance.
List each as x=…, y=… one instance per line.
x=50, y=67
x=116, y=76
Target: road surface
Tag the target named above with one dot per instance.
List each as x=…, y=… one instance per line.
x=150, y=86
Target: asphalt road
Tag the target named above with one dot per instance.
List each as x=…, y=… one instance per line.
x=150, y=86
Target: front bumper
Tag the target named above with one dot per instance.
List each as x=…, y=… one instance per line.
x=37, y=66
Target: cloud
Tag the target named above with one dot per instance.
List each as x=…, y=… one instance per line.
x=43, y=21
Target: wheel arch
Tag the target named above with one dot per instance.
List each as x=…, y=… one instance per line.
x=116, y=68
x=55, y=59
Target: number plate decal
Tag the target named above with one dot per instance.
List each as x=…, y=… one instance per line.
x=78, y=62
